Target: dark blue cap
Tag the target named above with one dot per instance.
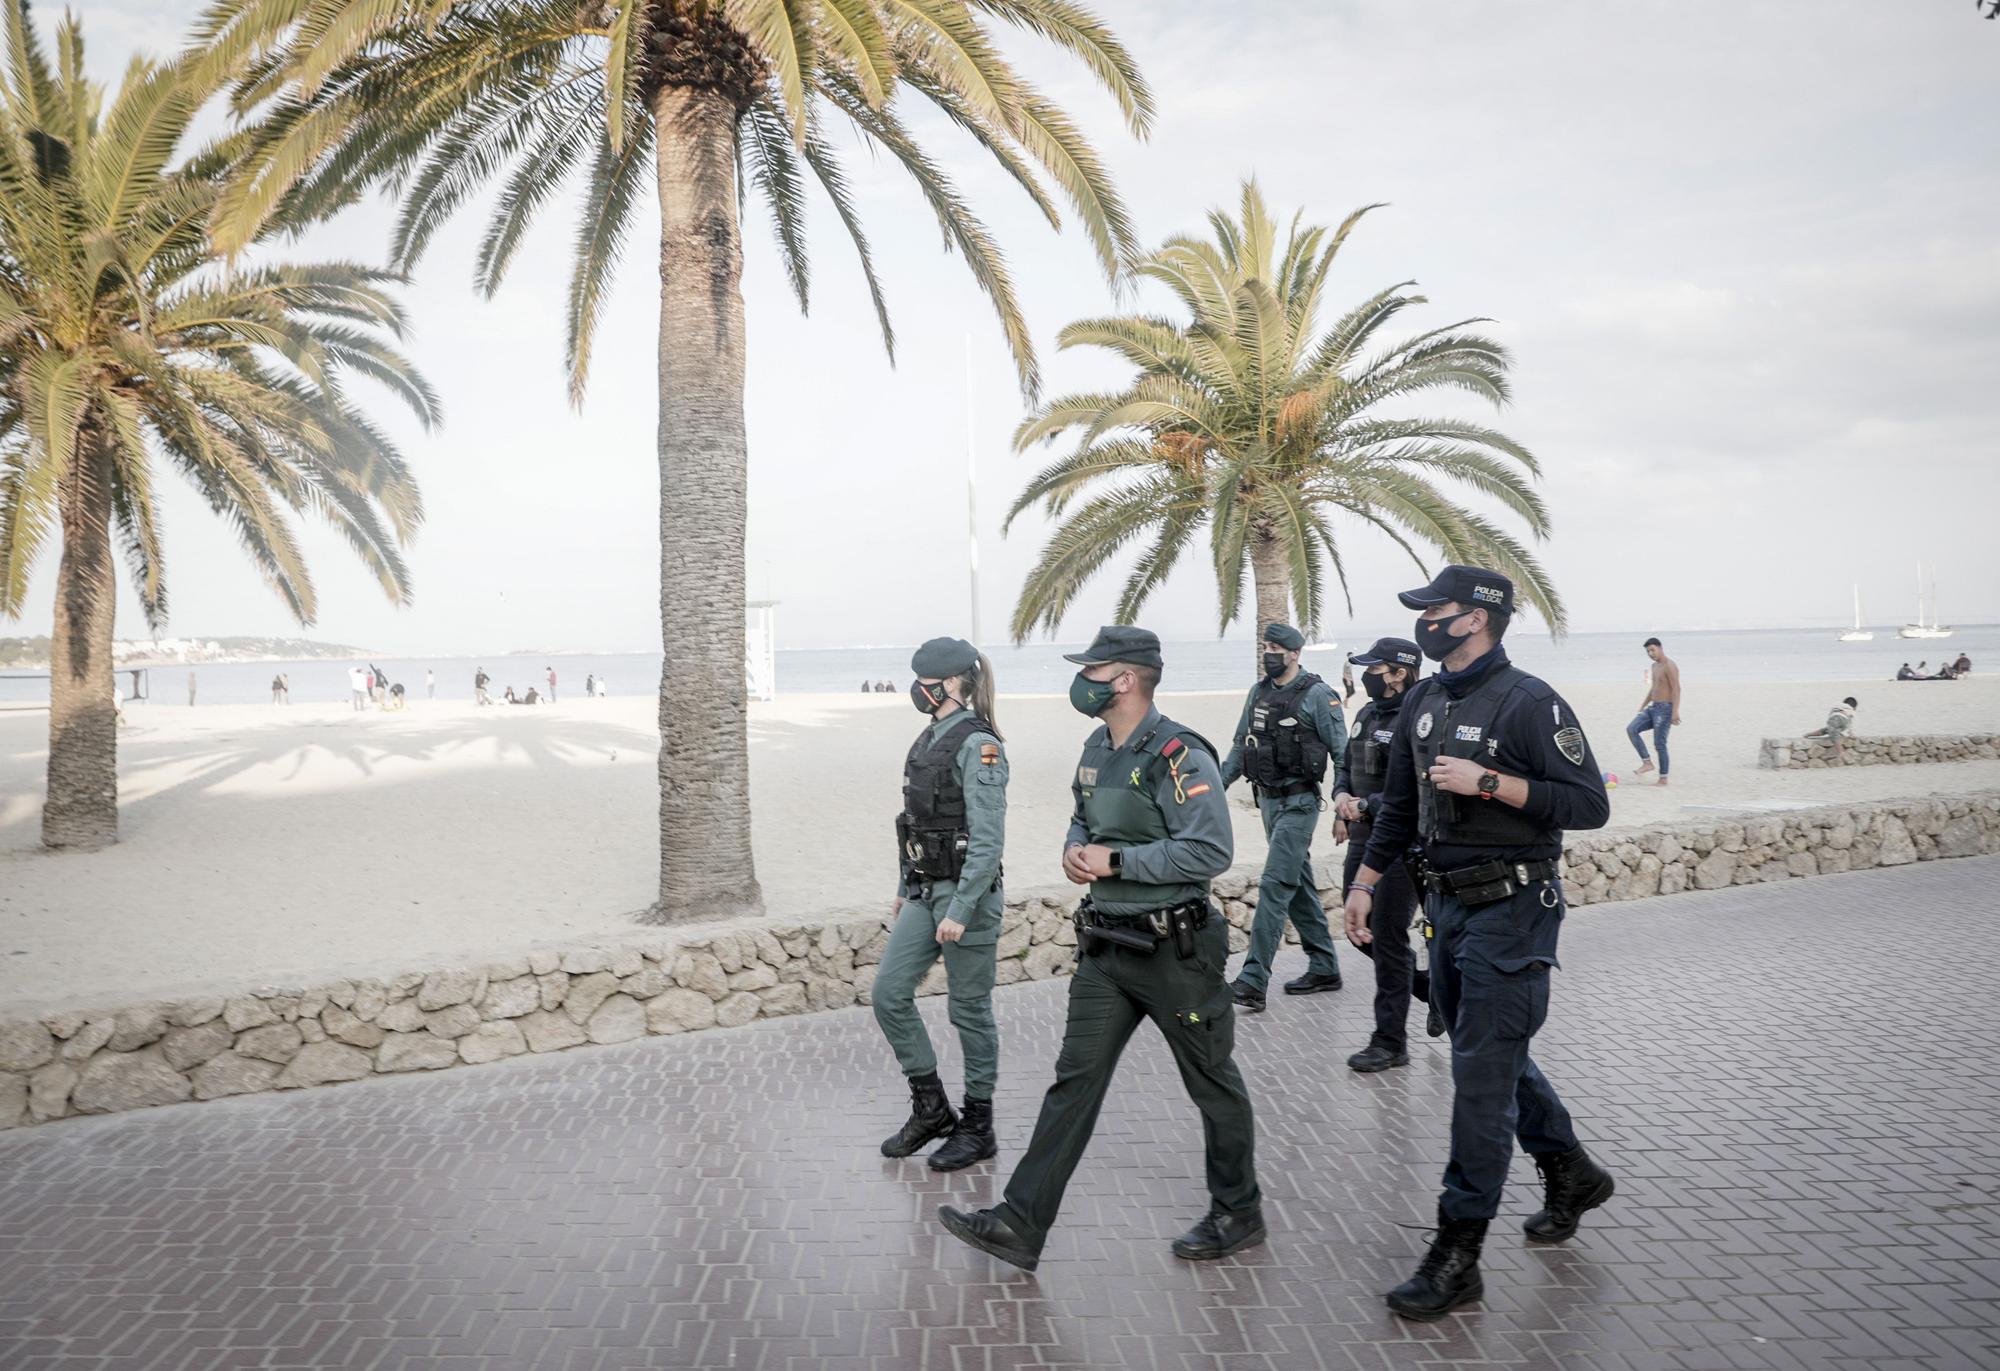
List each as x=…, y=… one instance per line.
x=1120, y=643
x=1388, y=652
x=1471, y=587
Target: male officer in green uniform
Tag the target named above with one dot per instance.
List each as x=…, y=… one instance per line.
x=1149, y=832
x=1291, y=727
x=948, y=901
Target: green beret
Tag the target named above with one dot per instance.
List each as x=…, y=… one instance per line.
x=942, y=657
x=1285, y=636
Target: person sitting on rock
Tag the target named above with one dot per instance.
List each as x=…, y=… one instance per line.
x=1839, y=723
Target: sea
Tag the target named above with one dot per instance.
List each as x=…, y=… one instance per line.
x=1716, y=656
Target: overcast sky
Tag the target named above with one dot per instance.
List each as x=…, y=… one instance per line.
x=1745, y=254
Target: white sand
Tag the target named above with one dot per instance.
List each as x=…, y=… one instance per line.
x=265, y=845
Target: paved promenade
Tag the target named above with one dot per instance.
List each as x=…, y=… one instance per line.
x=1796, y=1084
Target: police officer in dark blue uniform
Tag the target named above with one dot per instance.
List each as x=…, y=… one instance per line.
x=1486, y=771
x=1390, y=667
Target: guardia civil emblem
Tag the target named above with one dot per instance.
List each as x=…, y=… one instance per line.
x=1424, y=727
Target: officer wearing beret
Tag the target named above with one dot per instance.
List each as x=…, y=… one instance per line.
x=948, y=903
x=1149, y=831
x=1291, y=727
x=1390, y=667
x=1486, y=770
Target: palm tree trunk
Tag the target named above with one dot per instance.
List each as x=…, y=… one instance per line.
x=705, y=861
x=81, y=810
x=1270, y=578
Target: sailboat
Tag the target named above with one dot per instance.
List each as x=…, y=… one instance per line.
x=1920, y=629
x=1858, y=634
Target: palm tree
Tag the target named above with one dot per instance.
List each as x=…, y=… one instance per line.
x=439, y=97
x=1245, y=420
x=122, y=344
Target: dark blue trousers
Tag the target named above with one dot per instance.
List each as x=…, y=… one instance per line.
x=1490, y=970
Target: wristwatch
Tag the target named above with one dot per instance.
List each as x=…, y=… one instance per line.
x=1117, y=861
x=1488, y=783
x=1361, y=806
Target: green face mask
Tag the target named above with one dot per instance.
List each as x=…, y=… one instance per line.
x=1090, y=697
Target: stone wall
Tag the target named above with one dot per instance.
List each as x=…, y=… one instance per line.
x=1805, y=842
x=1799, y=754
x=681, y=981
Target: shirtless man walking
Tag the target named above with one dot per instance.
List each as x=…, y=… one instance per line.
x=1659, y=711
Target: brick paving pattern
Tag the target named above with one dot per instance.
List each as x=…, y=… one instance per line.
x=1795, y=1083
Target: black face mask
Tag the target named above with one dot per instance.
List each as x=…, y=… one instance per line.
x=1377, y=687
x=1434, y=641
x=928, y=699
x=1274, y=664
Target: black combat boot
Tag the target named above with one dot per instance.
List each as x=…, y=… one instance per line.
x=1448, y=1276
x=1312, y=983
x=972, y=1141
x=1248, y=997
x=1434, y=1023
x=1575, y=1183
x=930, y=1117
x=987, y=1231
x=1376, y=1057
x=1218, y=1234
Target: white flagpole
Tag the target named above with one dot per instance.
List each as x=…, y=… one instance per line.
x=972, y=493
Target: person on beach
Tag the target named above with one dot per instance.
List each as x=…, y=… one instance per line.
x=552, y=685
x=430, y=684
x=1290, y=728
x=1963, y=666
x=1903, y=673
x=480, y=680
x=357, y=686
x=277, y=690
x=190, y=688
x=590, y=686
x=1839, y=724
x=396, y=700
x=948, y=902
x=1659, y=711
x=1487, y=769
x=1390, y=667
x=1149, y=831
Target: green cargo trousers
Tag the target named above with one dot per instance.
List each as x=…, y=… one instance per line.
x=1289, y=891
x=1113, y=991
x=969, y=971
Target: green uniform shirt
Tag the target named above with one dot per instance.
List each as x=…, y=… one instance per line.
x=1199, y=843
x=976, y=892
x=1322, y=710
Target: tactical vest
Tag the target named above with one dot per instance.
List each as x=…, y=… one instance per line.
x=930, y=832
x=1443, y=727
x=1281, y=746
x=1368, y=753
x=1121, y=814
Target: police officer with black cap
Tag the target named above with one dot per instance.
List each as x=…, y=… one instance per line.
x=1149, y=831
x=1486, y=771
x=1292, y=726
x=948, y=904
x=1390, y=667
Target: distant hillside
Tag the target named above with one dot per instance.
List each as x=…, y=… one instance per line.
x=32, y=654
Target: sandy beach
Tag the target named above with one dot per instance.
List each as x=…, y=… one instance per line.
x=277, y=845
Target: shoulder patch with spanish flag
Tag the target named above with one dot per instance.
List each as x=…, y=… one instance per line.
x=989, y=754
x=1195, y=790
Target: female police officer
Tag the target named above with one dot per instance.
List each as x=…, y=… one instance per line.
x=948, y=901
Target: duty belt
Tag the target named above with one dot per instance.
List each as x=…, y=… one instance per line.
x=1142, y=932
x=1283, y=792
x=1486, y=882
